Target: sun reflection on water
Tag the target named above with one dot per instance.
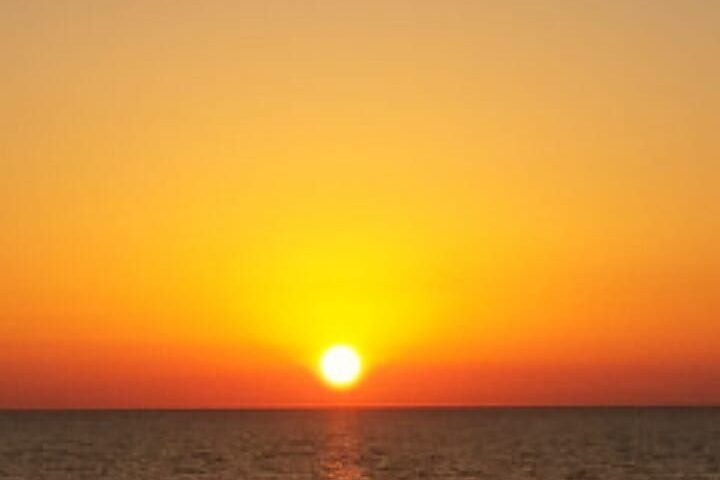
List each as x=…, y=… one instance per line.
x=340, y=457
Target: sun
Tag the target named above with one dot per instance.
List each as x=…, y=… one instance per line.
x=340, y=366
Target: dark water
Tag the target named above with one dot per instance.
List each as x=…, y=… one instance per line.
x=363, y=444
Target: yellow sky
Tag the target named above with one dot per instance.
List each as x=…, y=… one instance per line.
x=439, y=183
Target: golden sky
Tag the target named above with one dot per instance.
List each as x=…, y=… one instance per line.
x=501, y=202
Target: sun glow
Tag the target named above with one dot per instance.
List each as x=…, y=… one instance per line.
x=340, y=366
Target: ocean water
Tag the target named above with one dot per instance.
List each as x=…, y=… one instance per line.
x=492, y=443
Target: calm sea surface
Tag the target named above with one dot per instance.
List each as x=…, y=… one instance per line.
x=543, y=443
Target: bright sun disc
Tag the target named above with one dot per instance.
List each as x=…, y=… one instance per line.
x=340, y=366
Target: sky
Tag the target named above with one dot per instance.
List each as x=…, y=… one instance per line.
x=496, y=203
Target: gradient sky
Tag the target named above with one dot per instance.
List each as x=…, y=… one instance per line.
x=501, y=202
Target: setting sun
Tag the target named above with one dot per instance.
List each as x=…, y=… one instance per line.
x=340, y=366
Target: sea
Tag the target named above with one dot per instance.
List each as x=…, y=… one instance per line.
x=353, y=444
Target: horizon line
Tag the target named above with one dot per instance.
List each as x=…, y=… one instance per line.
x=317, y=407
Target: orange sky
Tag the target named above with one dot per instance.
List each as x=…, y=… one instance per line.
x=498, y=202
